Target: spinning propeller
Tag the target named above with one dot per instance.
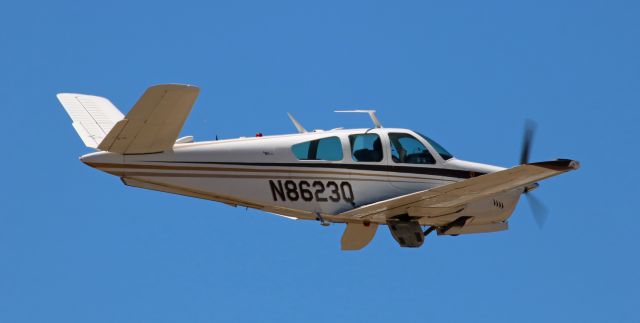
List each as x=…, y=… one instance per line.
x=539, y=211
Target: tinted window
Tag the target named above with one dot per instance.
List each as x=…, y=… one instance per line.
x=406, y=149
x=366, y=147
x=320, y=149
x=441, y=151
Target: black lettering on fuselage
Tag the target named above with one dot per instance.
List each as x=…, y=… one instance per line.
x=305, y=192
x=277, y=190
x=347, y=194
x=319, y=186
x=335, y=193
x=317, y=191
x=292, y=190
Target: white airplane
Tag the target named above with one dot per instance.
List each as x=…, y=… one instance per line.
x=361, y=177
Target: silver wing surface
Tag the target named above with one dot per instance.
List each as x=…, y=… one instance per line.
x=453, y=198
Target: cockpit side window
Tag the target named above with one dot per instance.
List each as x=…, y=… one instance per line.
x=406, y=149
x=441, y=151
x=320, y=149
x=366, y=147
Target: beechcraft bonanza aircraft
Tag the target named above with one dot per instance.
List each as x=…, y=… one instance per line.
x=361, y=177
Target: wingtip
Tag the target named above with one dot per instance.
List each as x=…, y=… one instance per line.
x=574, y=164
x=559, y=164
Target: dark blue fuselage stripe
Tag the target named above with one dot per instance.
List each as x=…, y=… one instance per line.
x=382, y=168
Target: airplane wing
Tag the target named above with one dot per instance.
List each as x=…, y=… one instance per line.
x=455, y=196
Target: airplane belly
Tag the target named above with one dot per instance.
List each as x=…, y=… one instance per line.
x=244, y=191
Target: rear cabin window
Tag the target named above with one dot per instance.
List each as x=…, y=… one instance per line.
x=406, y=149
x=366, y=147
x=319, y=149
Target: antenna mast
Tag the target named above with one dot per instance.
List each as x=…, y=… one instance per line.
x=372, y=114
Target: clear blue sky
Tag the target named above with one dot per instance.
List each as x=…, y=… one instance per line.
x=78, y=246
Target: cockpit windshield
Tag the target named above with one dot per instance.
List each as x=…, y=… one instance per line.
x=441, y=151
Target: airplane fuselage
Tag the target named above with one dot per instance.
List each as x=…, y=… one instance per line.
x=265, y=171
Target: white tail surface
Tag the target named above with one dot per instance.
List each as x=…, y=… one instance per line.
x=151, y=126
x=93, y=116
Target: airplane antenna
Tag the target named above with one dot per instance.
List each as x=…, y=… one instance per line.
x=372, y=114
x=300, y=128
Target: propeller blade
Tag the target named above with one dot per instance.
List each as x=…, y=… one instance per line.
x=539, y=211
x=529, y=130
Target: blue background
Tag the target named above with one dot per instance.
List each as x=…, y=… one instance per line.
x=78, y=246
